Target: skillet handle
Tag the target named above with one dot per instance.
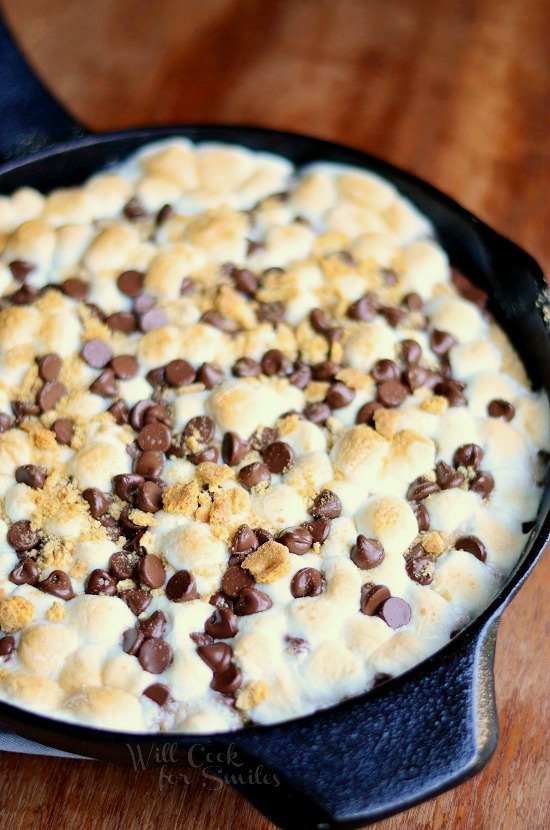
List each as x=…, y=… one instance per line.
x=407, y=742
x=30, y=118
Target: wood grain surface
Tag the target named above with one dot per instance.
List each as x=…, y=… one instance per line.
x=455, y=90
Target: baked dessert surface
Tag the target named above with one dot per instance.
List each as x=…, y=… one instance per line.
x=257, y=452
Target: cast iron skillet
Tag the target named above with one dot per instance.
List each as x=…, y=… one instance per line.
x=419, y=734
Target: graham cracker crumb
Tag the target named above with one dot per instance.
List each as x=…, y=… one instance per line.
x=56, y=613
x=437, y=405
x=354, y=378
x=270, y=562
x=252, y=694
x=209, y=472
x=142, y=519
x=182, y=498
x=434, y=543
x=386, y=421
x=15, y=613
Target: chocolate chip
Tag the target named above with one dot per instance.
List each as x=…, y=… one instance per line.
x=155, y=436
x=252, y=601
x=339, y=395
x=395, y=612
x=119, y=411
x=393, y=315
x=297, y=539
x=134, y=210
x=222, y=625
x=483, y=484
x=421, y=488
x=447, y=477
x=392, y=393
x=97, y=353
x=319, y=529
x=153, y=319
x=209, y=454
x=235, y=580
x=105, y=385
x=21, y=537
x=245, y=281
x=317, y=412
x=217, y=656
x=452, y=390
x=24, y=409
x=25, y=295
x=149, y=464
x=51, y=393
x=245, y=367
x=7, y=646
x=97, y=501
x=263, y=535
x=413, y=301
x=422, y=516
x=372, y=597
x=166, y=212
x=388, y=275
x=472, y=545
x=202, y=427
x=270, y=312
x=213, y=318
x=158, y=412
x=126, y=485
x=263, y=437
x=149, y=497
x=31, y=475
x=301, y=375
x=363, y=309
x=156, y=377
x=411, y=351
x=228, y=681
x=58, y=585
x=501, y=409
x=279, y=456
x=326, y=370
x=25, y=572
x=137, y=413
x=253, y=474
x=49, y=367
x=131, y=283
x=136, y=600
x=441, y=342
x=155, y=656
x=151, y=571
x=74, y=288
x=21, y=269
x=367, y=553
x=366, y=414
x=181, y=587
x=158, y=692
x=326, y=505
x=99, y=582
x=122, y=321
x=468, y=455
x=306, y=582
x=201, y=639
x=6, y=422
x=142, y=303
x=419, y=567
x=121, y=565
x=179, y=373
x=385, y=370
x=63, y=429
x=274, y=362
x=244, y=541
x=154, y=626
x=209, y=375
x=132, y=641
x=125, y=366
x=415, y=377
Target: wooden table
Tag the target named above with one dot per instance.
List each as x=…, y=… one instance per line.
x=455, y=90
